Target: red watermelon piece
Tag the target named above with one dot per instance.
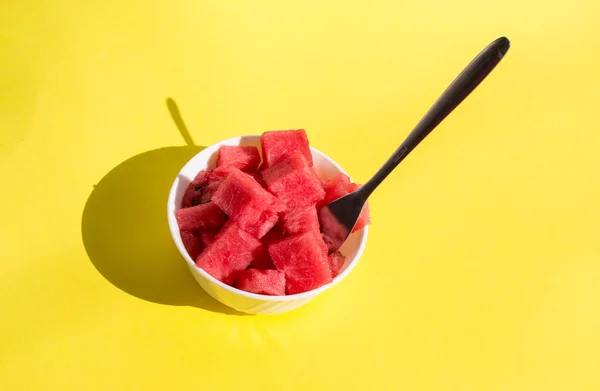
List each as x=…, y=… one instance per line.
x=230, y=253
x=300, y=220
x=293, y=181
x=229, y=217
x=335, y=188
x=263, y=260
x=201, y=217
x=253, y=208
x=303, y=259
x=194, y=191
x=215, y=177
x=336, y=261
x=336, y=232
x=245, y=158
x=258, y=178
x=339, y=186
x=191, y=242
x=204, y=185
x=279, y=144
x=208, y=237
x=262, y=282
x=365, y=215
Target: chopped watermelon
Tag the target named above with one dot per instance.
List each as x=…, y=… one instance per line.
x=365, y=215
x=191, y=242
x=215, y=178
x=339, y=186
x=255, y=225
x=258, y=178
x=252, y=207
x=262, y=282
x=201, y=217
x=280, y=144
x=230, y=253
x=208, y=237
x=293, y=181
x=336, y=261
x=335, y=188
x=300, y=220
x=194, y=191
x=334, y=234
x=204, y=185
x=263, y=260
x=303, y=259
x=245, y=158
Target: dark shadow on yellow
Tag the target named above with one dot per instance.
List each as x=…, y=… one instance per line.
x=126, y=235
x=179, y=123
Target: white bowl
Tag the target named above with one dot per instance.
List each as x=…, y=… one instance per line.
x=237, y=299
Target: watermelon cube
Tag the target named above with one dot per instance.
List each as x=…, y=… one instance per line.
x=263, y=260
x=253, y=208
x=194, y=191
x=204, y=185
x=303, y=259
x=245, y=158
x=262, y=282
x=192, y=243
x=335, y=188
x=364, y=218
x=201, y=217
x=336, y=261
x=293, y=181
x=296, y=221
x=208, y=237
x=215, y=177
x=258, y=178
x=339, y=186
x=279, y=144
x=230, y=253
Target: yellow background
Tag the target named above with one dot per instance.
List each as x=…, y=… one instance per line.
x=483, y=265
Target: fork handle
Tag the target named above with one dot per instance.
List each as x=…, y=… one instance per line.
x=457, y=91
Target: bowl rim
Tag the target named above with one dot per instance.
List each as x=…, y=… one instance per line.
x=175, y=233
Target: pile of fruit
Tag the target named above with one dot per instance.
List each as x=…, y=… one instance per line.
x=252, y=223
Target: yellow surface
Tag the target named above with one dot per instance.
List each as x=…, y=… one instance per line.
x=482, y=268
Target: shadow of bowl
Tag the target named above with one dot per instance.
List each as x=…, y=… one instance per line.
x=126, y=235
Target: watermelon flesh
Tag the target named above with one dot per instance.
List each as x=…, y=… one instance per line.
x=193, y=193
x=192, y=243
x=303, y=259
x=263, y=260
x=262, y=282
x=258, y=178
x=336, y=232
x=245, y=158
x=300, y=220
x=365, y=215
x=336, y=261
x=208, y=237
x=335, y=188
x=253, y=208
x=204, y=185
x=201, y=217
x=294, y=182
x=280, y=144
x=230, y=253
x=215, y=178
x=339, y=186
